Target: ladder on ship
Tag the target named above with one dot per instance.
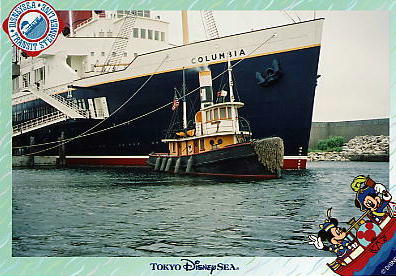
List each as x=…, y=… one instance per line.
x=210, y=24
x=69, y=108
x=39, y=122
x=116, y=53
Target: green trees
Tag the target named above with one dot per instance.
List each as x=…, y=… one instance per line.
x=333, y=143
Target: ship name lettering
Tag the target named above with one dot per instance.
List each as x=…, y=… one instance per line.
x=218, y=56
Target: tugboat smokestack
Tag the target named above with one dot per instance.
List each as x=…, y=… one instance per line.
x=206, y=90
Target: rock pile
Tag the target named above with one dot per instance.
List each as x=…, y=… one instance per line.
x=360, y=148
x=367, y=148
x=327, y=156
x=377, y=145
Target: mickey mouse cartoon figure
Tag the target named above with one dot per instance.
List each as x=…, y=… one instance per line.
x=371, y=196
x=340, y=242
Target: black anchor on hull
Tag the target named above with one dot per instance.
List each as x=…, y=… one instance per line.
x=270, y=76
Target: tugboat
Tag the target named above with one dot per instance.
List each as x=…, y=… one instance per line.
x=369, y=237
x=220, y=144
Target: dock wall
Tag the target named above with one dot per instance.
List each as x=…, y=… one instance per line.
x=347, y=129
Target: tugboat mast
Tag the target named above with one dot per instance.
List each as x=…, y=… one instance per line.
x=230, y=83
x=184, y=102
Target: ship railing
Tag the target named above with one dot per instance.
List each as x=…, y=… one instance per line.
x=61, y=88
x=43, y=120
x=85, y=22
x=71, y=104
x=244, y=126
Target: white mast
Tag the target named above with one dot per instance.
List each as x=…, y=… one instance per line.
x=184, y=102
x=232, y=99
x=186, y=38
x=71, y=23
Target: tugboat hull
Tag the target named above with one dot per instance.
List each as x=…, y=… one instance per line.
x=244, y=160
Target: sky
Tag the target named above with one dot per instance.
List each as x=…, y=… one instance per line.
x=354, y=59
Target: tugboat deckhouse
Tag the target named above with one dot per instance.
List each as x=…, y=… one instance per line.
x=218, y=56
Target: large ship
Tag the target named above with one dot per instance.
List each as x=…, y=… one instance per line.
x=102, y=93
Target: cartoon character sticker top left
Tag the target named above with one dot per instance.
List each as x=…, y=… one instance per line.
x=33, y=26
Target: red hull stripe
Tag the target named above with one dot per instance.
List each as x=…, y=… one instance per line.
x=237, y=175
x=288, y=164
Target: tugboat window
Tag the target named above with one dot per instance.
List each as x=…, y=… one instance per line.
x=216, y=114
x=208, y=116
x=223, y=113
x=202, y=144
x=229, y=112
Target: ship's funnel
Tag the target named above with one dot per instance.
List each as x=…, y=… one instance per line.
x=206, y=91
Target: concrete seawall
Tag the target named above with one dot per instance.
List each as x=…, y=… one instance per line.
x=347, y=129
x=34, y=161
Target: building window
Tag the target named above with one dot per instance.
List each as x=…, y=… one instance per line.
x=139, y=13
x=113, y=54
x=26, y=79
x=103, y=54
x=135, y=32
x=92, y=54
x=146, y=14
x=109, y=33
x=125, y=54
x=101, y=34
x=142, y=33
x=156, y=35
x=162, y=36
x=150, y=34
x=39, y=75
x=92, y=67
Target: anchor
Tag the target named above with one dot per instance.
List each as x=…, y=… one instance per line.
x=270, y=76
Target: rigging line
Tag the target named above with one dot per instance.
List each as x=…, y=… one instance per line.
x=114, y=112
x=285, y=12
x=154, y=110
x=297, y=16
x=235, y=87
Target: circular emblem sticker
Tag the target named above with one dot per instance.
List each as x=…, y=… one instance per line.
x=33, y=26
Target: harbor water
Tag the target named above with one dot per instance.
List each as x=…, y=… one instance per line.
x=135, y=212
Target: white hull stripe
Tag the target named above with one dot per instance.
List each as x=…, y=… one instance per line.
x=295, y=157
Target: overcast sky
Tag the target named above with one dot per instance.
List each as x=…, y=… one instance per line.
x=354, y=59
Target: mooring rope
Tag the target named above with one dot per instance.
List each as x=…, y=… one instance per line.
x=85, y=134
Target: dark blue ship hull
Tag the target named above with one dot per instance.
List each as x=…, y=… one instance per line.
x=283, y=107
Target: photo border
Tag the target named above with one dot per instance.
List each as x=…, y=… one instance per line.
x=109, y=266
